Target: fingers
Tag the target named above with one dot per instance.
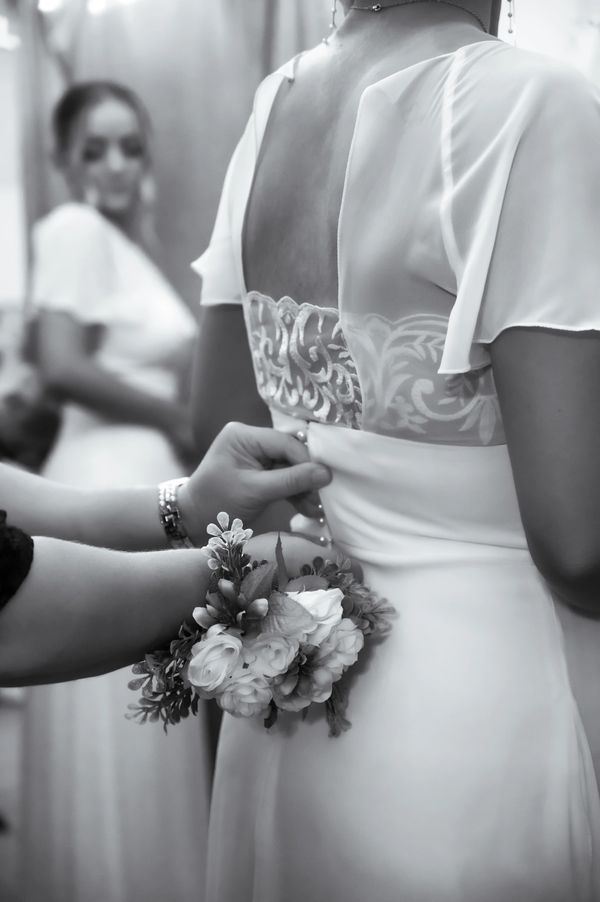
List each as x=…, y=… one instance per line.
x=267, y=446
x=307, y=505
x=301, y=479
x=276, y=465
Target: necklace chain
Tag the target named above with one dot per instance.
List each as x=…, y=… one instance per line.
x=378, y=7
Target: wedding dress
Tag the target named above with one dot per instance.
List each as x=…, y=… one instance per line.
x=467, y=775
x=114, y=811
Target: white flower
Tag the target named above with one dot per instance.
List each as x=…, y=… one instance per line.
x=325, y=607
x=311, y=678
x=214, y=659
x=245, y=694
x=270, y=655
x=290, y=700
x=340, y=649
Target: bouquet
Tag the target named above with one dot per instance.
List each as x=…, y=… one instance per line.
x=263, y=642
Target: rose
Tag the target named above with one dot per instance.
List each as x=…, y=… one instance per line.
x=214, y=659
x=290, y=690
x=245, y=694
x=325, y=607
x=312, y=677
x=270, y=655
x=287, y=696
x=299, y=690
x=340, y=649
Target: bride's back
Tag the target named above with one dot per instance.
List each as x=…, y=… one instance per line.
x=291, y=224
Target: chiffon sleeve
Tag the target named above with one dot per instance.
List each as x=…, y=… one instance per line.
x=522, y=212
x=73, y=270
x=16, y=556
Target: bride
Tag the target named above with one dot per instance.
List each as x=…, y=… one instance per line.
x=409, y=225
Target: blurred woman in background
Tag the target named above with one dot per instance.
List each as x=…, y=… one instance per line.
x=112, y=813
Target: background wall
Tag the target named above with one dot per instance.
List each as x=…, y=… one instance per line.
x=566, y=29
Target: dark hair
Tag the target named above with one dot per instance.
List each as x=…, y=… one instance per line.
x=84, y=96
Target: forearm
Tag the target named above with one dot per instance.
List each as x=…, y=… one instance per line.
x=124, y=519
x=577, y=589
x=86, y=383
x=83, y=611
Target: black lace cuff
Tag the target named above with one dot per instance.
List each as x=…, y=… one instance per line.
x=16, y=555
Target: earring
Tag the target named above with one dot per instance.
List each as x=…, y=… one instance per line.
x=148, y=191
x=332, y=23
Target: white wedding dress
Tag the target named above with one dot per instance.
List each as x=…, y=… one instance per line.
x=467, y=775
x=114, y=811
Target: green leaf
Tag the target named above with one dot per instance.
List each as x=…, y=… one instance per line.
x=335, y=711
x=155, y=660
x=307, y=583
x=140, y=667
x=282, y=573
x=271, y=717
x=286, y=616
x=259, y=582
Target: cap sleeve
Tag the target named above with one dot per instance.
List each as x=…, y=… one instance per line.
x=522, y=212
x=73, y=269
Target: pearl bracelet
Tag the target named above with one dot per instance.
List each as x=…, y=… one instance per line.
x=169, y=513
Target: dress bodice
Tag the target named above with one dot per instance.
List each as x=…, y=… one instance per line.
x=453, y=235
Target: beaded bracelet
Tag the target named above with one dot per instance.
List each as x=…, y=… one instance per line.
x=169, y=513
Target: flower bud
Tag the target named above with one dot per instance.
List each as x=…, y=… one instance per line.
x=227, y=589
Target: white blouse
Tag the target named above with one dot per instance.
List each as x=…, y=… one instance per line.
x=85, y=266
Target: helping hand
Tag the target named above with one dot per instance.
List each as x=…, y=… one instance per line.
x=243, y=471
